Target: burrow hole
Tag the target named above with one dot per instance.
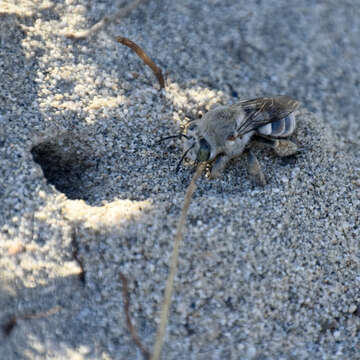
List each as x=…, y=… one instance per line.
x=67, y=166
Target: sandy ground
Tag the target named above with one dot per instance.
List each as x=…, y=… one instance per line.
x=86, y=193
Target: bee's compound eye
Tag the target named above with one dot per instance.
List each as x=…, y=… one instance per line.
x=204, y=151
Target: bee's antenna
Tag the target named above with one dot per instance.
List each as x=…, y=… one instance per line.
x=183, y=157
x=173, y=137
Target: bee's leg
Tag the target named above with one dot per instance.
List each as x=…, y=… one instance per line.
x=285, y=148
x=254, y=169
x=219, y=165
x=281, y=147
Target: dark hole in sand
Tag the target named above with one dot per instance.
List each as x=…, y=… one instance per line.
x=65, y=166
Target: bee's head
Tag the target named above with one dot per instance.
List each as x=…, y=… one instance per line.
x=204, y=150
x=198, y=143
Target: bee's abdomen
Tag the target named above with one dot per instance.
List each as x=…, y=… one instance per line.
x=279, y=128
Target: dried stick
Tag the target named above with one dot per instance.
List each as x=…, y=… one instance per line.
x=173, y=266
x=130, y=326
x=10, y=324
x=123, y=12
x=144, y=57
x=75, y=253
x=41, y=314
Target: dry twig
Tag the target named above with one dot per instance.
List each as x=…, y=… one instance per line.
x=10, y=324
x=75, y=245
x=173, y=266
x=144, y=57
x=130, y=326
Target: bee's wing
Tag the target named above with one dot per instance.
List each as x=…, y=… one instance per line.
x=265, y=110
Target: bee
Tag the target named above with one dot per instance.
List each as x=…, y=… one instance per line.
x=226, y=132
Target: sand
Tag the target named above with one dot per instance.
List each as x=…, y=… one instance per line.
x=87, y=192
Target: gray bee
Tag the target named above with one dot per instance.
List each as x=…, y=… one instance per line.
x=225, y=132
